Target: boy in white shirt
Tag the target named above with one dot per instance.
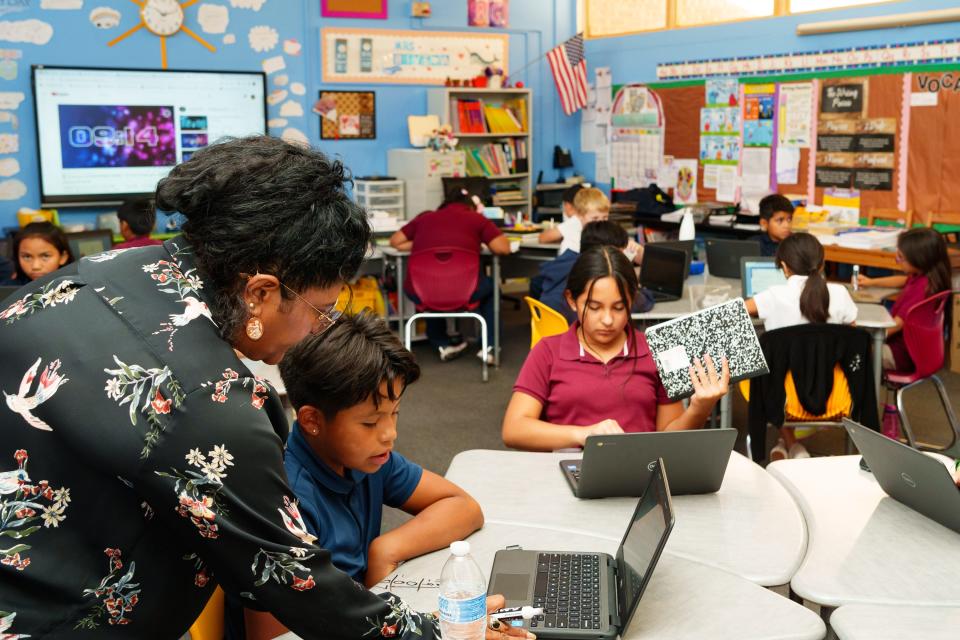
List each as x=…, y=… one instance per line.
x=589, y=205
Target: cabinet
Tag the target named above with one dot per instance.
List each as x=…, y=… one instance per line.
x=422, y=171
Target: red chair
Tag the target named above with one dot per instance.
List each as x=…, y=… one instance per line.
x=444, y=278
x=925, y=344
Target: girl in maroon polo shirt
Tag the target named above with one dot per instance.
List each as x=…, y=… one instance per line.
x=600, y=377
x=922, y=255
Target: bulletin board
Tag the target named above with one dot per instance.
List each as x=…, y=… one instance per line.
x=347, y=115
x=919, y=104
x=411, y=57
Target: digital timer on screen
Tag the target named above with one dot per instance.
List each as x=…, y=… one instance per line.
x=117, y=136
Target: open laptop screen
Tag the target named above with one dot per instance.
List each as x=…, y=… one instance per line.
x=759, y=275
x=642, y=544
x=662, y=269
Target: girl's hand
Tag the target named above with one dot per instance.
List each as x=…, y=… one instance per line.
x=603, y=428
x=708, y=385
x=864, y=281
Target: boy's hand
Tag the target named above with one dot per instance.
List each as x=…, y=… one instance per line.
x=380, y=563
x=864, y=281
x=634, y=252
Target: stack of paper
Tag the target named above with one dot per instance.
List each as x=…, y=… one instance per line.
x=873, y=239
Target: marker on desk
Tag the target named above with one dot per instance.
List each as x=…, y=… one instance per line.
x=855, y=280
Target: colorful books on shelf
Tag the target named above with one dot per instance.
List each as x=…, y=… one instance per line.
x=470, y=118
x=497, y=158
x=472, y=115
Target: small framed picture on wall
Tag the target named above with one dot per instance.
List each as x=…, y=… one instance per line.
x=370, y=9
x=347, y=115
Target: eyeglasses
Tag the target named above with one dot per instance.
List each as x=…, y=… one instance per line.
x=325, y=319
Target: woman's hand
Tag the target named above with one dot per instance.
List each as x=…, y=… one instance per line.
x=497, y=630
x=602, y=428
x=708, y=385
x=864, y=281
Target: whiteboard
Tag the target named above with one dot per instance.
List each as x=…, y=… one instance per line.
x=412, y=57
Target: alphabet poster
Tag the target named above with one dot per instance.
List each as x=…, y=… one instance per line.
x=411, y=57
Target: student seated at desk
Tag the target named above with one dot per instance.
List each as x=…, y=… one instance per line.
x=922, y=254
x=137, y=218
x=589, y=205
x=805, y=298
x=40, y=248
x=555, y=234
x=554, y=273
x=455, y=224
x=346, y=386
x=776, y=222
x=600, y=377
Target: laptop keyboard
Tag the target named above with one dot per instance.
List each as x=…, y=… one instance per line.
x=568, y=589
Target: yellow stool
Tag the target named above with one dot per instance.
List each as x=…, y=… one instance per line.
x=209, y=626
x=544, y=321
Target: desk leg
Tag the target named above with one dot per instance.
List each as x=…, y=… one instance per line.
x=398, y=262
x=879, y=337
x=496, y=310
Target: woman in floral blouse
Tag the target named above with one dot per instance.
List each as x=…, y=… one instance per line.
x=140, y=462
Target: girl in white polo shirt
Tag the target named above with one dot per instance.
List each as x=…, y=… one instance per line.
x=806, y=297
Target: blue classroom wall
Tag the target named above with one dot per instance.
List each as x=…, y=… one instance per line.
x=635, y=58
x=535, y=27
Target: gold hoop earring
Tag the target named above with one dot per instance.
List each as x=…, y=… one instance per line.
x=254, y=329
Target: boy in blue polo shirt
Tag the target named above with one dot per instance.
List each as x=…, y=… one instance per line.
x=346, y=386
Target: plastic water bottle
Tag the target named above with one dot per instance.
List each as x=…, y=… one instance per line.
x=890, y=426
x=463, y=596
x=687, y=227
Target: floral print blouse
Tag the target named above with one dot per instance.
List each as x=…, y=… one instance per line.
x=141, y=464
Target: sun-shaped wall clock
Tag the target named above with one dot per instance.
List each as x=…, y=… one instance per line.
x=163, y=18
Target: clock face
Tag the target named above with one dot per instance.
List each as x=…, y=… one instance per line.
x=162, y=17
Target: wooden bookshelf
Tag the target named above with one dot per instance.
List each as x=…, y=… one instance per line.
x=443, y=103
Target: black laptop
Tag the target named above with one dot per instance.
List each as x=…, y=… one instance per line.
x=723, y=256
x=916, y=479
x=589, y=595
x=662, y=271
x=686, y=246
x=620, y=464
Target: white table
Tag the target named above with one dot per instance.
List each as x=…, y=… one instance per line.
x=684, y=599
x=751, y=527
x=883, y=622
x=865, y=547
x=398, y=259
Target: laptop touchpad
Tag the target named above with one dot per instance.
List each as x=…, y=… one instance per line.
x=513, y=586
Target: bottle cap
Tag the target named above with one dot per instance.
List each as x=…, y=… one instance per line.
x=460, y=548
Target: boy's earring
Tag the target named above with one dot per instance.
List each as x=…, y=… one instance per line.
x=251, y=305
x=254, y=329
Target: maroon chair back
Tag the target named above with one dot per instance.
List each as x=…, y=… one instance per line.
x=444, y=278
x=923, y=334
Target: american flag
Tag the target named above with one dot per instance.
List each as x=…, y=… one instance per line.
x=569, y=69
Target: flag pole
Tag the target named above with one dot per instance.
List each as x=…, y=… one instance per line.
x=536, y=60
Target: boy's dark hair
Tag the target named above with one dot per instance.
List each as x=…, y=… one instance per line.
x=140, y=215
x=571, y=192
x=345, y=365
x=603, y=232
x=262, y=205
x=47, y=231
x=926, y=250
x=769, y=205
x=803, y=253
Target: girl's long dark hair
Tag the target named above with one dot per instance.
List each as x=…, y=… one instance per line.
x=804, y=255
x=604, y=262
x=926, y=250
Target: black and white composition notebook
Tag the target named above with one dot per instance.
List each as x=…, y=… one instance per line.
x=721, y=330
